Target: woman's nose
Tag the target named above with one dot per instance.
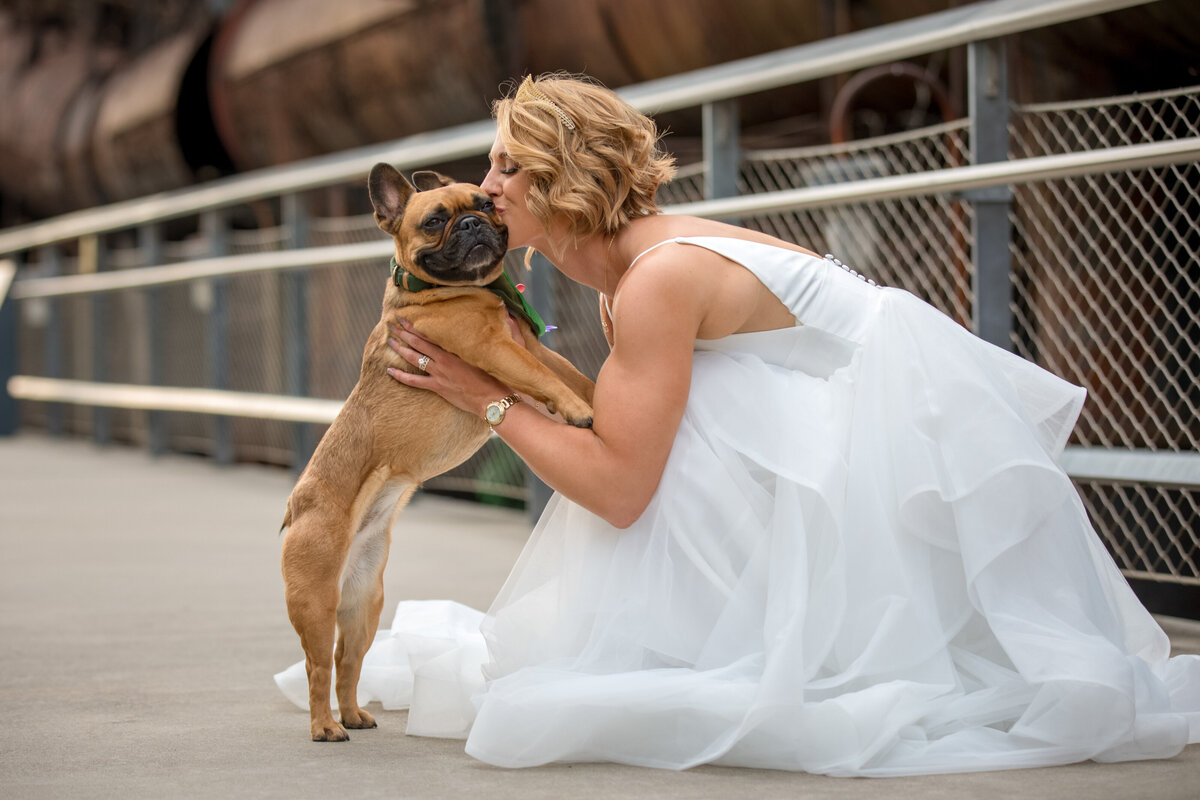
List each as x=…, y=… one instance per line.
x=490, y=185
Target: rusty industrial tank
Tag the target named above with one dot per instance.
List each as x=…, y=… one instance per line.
x=135, y=143
x=292, y=79
x=295, y=78
x=86, y=125
x=40, y=95
x=274, y=81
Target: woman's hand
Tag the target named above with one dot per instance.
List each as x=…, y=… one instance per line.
x=459, y=383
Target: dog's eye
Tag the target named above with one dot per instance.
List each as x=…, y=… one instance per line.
x=488, y=207
x=433, y=223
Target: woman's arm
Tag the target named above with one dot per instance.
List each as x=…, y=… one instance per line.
x=613, y=468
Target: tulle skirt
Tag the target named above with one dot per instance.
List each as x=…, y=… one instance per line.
x=861, y=559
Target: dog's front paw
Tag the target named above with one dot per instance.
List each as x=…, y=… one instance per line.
x=358, y=720
x=330, y=732
x=575, y=411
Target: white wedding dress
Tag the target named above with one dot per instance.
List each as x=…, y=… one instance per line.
x=862, y=559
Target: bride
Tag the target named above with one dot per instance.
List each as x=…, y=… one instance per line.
x=815, y=526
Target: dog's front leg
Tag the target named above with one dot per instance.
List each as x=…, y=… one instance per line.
x=575, y=380
x=521, y=369
x=489, y=345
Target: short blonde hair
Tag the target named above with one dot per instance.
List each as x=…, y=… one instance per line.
x=598, y=167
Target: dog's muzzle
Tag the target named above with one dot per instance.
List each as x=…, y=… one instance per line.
x=472, y=249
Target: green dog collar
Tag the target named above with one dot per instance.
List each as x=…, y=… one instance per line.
x=503, y=287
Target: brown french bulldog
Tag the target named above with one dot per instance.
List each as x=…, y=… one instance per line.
x=388, y=437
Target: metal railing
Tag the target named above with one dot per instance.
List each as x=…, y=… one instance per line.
x=239, y=328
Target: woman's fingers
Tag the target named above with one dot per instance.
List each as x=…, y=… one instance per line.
x=410, y=337
x=408, y=354
x=440, y=371
x=401, y=341
x=414, y=379
x=412, y=348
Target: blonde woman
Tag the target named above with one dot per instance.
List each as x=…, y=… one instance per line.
x=816, y=525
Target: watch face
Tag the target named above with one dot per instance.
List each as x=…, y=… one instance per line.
x=494, y=413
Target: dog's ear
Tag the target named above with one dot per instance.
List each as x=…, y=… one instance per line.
x=427, y=179
x=389, y=193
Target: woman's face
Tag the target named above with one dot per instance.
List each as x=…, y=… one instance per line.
x=507, y=184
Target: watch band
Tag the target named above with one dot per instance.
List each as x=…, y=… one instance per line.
x=493, y=413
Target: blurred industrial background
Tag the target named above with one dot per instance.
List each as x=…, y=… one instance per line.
x=108, y=100
x=119, y=115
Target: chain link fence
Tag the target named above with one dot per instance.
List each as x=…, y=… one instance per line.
x=1106, y=276
x=1106, y=293
x=1106, y=281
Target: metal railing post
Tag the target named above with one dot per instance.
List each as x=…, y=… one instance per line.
x=215, y=224
x=93, y=256
x=150, y=244
x=295, y=323
x=987, y=75
x=720, y=124
x=50, y=257
x=10, y=418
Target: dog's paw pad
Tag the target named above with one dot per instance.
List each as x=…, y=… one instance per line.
x=586, y=422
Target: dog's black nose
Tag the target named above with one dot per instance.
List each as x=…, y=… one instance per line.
x=468, y=223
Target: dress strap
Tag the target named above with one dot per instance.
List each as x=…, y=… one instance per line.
x=650, y=248
x=607, y=305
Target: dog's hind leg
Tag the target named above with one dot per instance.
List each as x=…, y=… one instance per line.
x=362, y=597
x=312, y=562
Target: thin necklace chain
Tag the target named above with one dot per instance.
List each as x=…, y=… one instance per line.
x=607, y=304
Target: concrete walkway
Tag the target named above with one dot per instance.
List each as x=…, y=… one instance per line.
x=141, y=620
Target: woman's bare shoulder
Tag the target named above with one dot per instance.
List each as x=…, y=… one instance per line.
x=720, y=296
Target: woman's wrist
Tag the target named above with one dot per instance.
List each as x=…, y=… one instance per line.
x=485, y=395
x=496, y=411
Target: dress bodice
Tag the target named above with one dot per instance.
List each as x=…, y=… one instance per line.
x=820, y=292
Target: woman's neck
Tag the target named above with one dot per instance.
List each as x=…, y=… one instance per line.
x=596, y=261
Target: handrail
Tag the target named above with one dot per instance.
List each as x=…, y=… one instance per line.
x=268, y=261
x=937, y=31
x=1160, y=467
x=930, y=182
x=8, y=270
x=1081, y=463
x=413, y=151
x=952, y=180
x=221, y=402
